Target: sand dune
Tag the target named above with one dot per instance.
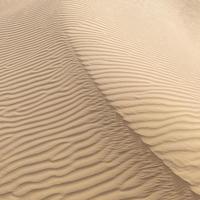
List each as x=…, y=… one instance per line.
x=99, y=100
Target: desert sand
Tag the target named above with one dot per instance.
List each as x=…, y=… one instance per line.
x=99, y=100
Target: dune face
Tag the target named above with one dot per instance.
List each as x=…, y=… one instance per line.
x=99, y=100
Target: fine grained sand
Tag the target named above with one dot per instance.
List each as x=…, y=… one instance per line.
x=99, y=100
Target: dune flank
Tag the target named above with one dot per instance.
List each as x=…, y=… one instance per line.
x=99, y=100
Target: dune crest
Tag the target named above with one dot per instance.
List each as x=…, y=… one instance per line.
x=143, y=57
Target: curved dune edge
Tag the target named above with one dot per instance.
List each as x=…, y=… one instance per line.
x=149, y=77
x=59, y=137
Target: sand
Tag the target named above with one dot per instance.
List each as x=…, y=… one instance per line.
x=99, y=100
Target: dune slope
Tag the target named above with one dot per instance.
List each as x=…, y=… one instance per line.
x=94, y=107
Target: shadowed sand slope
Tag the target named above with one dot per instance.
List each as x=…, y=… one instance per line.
x=98, y=100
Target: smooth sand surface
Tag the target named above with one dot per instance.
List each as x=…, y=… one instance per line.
x=99, y=100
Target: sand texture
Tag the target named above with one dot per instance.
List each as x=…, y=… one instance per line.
x=99, y=100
